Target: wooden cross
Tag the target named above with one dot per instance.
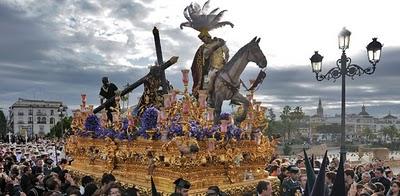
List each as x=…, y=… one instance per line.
x=159, y=71
x=164, y=82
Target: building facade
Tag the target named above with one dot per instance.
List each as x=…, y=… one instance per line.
x=356, y=125
x=33, y=117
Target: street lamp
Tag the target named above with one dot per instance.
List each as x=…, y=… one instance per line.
x=345, y=67
x=61, y=111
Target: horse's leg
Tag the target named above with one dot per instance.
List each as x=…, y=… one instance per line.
x=218, y=100
x=237, y=97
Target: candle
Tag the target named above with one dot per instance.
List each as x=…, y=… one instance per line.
x=185, y=76
x=250, y=115
x=249, y=97
x=167, y=100
x=224, y=126
x=158, y=116
x=202, y=98
x=210, y=114
x=173, y=96
x=186, y=107
x=83, y=98
x=162, y=113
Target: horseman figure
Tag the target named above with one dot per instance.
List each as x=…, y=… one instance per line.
x=213, y=57
x=213, y=54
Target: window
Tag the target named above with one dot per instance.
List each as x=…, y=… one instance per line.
x=20, y=113
x=30, y=121
x=30, y=112
x=52, y=112
x=38, y=120
x=51, y=120
x=44, y=120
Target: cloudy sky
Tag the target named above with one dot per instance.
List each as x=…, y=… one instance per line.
x=56, y=50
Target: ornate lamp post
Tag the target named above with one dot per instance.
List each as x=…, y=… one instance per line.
x=344, y=68
x=61, y=111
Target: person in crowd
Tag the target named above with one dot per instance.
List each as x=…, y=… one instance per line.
x=349, y=178
x=290, y=184
x=359, y=171
x=85, y=181
x=38, y=188
x=303, y=182
x=182, y=186
x=112, y=189
x=329, y=180
x=264, y=188
x=214, y=191
x=379, y=171
x=394, y=188
x=379, y=187
x=389, y=174
x=365, y=178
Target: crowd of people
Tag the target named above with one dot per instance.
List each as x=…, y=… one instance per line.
x=368, y=179
x=39, y=169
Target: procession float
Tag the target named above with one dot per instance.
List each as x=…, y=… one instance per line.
x=173, y=133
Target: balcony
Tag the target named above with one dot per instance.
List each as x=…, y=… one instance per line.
x=41, y=114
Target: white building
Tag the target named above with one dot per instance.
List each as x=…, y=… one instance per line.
x=30, y=117
x=356, y=124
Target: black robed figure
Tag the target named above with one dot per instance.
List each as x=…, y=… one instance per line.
x=107, y=91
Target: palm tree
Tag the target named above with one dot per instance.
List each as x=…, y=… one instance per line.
x=285, y=118
x=296, y=116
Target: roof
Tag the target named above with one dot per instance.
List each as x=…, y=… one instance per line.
x=389, y=116
x=363, y=112
x=36, y=103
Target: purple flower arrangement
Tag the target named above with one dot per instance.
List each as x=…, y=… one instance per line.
x=149, y=121
x=196, y=130
x=92, y=123
x=234, y=132
x=224, y=116
x=175, y=129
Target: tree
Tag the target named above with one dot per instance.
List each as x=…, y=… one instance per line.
x=287, y=149
x=274, y=127
x=296, y=116
x=390, y=131
x=285, y=118
x=291, y=119
x=271, y=115
x=3, y=124
x=367, y=133
x=56, y=130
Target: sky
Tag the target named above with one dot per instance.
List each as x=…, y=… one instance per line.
x=56, y=50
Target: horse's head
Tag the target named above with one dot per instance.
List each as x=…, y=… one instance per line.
x=255, y=53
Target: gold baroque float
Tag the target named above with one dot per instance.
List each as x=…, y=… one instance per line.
x=235, y=164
